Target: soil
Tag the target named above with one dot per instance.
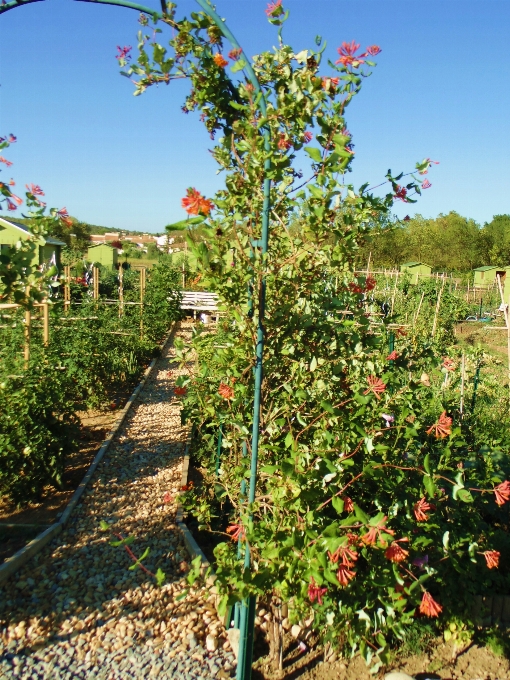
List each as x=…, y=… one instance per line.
x=18, y=526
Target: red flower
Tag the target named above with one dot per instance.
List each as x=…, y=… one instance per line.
x=344, y=575
x=375, y=385
x=373, y=534
x=167, y=498
x=35, y=189
x=428, y=606
x=330, y=83
x=355, y=288
x=11, y=205
x=344, y=553
x=393, y=356
x=420, y=508
x=373, y=50
x=113, y=405
x=180, y=391
x=347, y=53
x=308, y=136
x=188, y=486
x=226, y=391
x=396, y=553
x=4, y=160
x=236, y=532
x=348, y=504
x=235, y=54
x=195, y=204
x=401, y=193
x=426, y=184
x=274, y=9
x=16, y=199
x=284, y=142
x=315, y=592
x=492, y=558
x=442, y=428
x=502, y=492
x=449, y=364
x=116, y=244
x=123, y=53
x=220, y=61
x=370, y=283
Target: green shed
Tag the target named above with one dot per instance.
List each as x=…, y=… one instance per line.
x=417, y=270
x=49, y=249
x=486, y=276
x=104, y=254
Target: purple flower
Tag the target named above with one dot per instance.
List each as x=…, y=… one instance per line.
x=421, y=561
x=388, y=418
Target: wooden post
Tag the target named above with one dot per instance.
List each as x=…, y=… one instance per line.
x=27, y=331
x=434, y=325
x=394, y=293
x=121, y=289
x=462, y=381
x=95, y=276
x=505, y=311
x=46, y=324
x=67, y=288
x=419, y=307
x=142, y=295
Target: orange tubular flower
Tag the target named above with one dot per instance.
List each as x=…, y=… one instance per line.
x=420, y=508
x=393, y=356
x=429, y=607
x=220, y=60
x=195, y=204
x=375, y=385
x=226, y=391
x=344, y=553
x=396, y=553
x=502, y=492
x=442, y=428
x=180, y=391
x=373, y=534
x=348, y=504
x=492, y=558
x=236, y=531
x=344, y=575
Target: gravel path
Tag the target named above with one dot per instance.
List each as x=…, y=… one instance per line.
x=77, y=611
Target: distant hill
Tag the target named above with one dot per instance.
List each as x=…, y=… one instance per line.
x=91, y=228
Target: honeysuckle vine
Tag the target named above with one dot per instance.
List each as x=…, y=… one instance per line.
x=340, y=525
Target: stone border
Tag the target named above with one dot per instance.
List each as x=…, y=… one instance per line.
x=16, y=561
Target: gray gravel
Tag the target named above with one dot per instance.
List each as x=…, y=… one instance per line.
x=76, y=610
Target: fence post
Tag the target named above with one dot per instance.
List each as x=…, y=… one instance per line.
x=95, y=276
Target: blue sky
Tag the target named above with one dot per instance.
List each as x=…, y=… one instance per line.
x=440, y=90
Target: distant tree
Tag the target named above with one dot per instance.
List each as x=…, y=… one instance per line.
x=495, y=241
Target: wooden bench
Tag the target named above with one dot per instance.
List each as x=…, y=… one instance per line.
x=200, y=301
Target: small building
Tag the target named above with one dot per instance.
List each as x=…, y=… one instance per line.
x=417, y=270
x=104, y=254
x=49, y=250
x=484, y=277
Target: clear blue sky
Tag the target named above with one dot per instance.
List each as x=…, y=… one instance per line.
x=441, y=89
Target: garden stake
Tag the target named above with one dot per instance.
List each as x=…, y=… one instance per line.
x=95, y=278
x=462, y=380
x=505, y=311
x=419, y=307
x=475, y=385
x=46, y=324
x=394, y=293
x=67, y=288
x=218, y=450
x=434, y=325
x=26, y=332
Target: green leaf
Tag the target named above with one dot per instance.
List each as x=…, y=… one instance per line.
x=314, y=153
x=313, y=364
x=465, y=496
x=238, y=65
x=160, y=577
x=429, y=485
x=362, y=516
x=426, y=463
x=338, y=504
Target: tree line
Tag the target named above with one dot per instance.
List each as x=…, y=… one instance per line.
x=449, y=243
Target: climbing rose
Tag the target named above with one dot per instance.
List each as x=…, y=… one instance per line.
x=396, y=553
x=220, y=61
x=315, y=592
x=226, y=391
x=492, y=558
x=180, y=391
x=274, y=9
x=428, y=606
x=442, y=428
x=375, y=385
x=502, y=492
x=195, y=204
x=420, y=508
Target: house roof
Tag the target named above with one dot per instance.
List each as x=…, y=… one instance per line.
x=485, y=268
x=23, y=227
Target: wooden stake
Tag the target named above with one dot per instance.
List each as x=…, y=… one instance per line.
x=394, y=293
x=462, y=381
x=121, y=290
x=67, y=288
x=505, y=311
x=95, y=276
x=46, y=325
x=142, y=295
x=27, y=331
x=434, y=325
x=419, y=307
